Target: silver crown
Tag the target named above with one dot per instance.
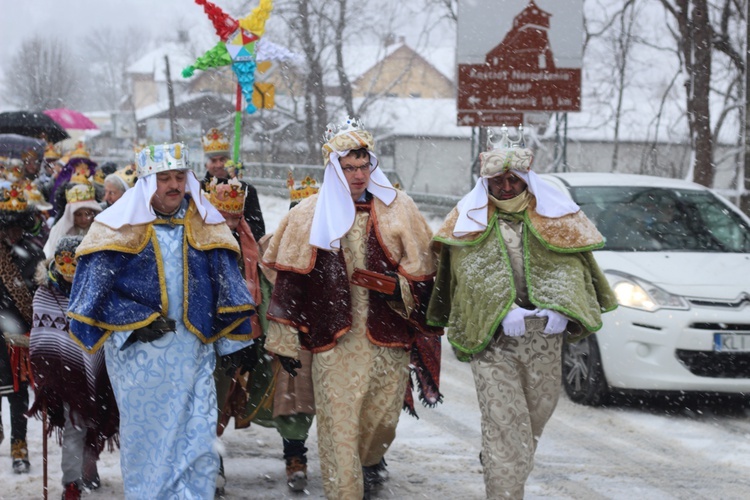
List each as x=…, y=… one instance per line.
x=505, y=142
x=162, y=157
x=348, y=125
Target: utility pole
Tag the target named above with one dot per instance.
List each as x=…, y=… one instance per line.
x=170, y=94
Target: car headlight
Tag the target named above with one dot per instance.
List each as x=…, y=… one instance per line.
x=640, y=294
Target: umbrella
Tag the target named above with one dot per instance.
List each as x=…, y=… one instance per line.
x=71, y=120
x=32, y=124
x=15, y=146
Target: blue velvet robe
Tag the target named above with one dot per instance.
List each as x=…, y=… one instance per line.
x=120, y=284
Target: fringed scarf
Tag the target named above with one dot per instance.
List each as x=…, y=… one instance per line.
x=64, y=373
x=425, y=365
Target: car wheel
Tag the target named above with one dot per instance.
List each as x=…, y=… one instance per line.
x=582, y=373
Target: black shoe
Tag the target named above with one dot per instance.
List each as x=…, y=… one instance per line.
x=374, y=476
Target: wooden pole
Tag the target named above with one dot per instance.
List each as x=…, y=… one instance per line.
x=172, y=111
x=44, y=449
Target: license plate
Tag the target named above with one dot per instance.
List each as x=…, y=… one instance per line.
x=732, y=342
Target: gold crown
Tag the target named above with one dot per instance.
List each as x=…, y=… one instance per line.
x=51, y=153
x=307, y=187
x=13, y=172
x=79, y=152
x=13, y=199
x=99, y=176
x=128, y=174
x=228, y=197
x=80, y=192
x=215, y=143
x=35, y=197
x=66, y=263
x=81, y=174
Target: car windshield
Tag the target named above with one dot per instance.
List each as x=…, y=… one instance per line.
x=652, y=219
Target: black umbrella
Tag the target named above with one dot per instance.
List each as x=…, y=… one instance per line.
x=32, y=124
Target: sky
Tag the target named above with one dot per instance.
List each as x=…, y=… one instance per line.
x=71, y=19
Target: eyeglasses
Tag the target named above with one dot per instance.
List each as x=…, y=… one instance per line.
x=362, y=168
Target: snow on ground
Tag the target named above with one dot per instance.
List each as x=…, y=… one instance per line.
x=631, y=450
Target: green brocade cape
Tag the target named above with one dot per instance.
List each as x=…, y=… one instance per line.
x=474, y=287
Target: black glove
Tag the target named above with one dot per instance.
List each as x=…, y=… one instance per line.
x=153, y=331
x=291, y=365
x=245, y=359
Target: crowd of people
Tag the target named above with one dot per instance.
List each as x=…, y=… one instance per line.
x=146, y=308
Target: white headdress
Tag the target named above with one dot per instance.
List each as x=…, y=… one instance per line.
x=334, y=211
x=502, y=156
x=135, y=205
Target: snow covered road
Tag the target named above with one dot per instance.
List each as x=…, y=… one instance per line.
x=647, y=450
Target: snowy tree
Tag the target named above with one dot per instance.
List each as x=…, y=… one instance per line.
x=41, y=75
x=109, y=53
x=694, y=38
x=322, y=90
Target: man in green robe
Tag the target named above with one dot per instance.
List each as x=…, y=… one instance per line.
x=515, y=272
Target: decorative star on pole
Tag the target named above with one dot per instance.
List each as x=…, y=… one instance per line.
x=236, y=47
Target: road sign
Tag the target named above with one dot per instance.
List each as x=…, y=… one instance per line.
x=526, y=57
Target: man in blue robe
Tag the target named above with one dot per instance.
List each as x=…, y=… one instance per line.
x=158, y=286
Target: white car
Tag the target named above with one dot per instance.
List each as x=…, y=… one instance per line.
x=678, y=258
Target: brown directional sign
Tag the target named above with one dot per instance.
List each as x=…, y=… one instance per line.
x=490, y=119
x=520, y=74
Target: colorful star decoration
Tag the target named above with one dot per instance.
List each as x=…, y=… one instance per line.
x=237, y=45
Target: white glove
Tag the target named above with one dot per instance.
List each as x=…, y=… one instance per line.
x=556, y=322
x=513, y=322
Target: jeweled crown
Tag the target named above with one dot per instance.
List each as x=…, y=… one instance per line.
x=227, y=197
x=306, y=188
x=505, y=154
x=13, y=199
x=81, y=174
x=35, y=197
x=51, y=153
x=128, y=174
x=161, y=158
x=504, y=141
x=348, y=125
x=80, y=192
x=215, y=142
x=79, y=152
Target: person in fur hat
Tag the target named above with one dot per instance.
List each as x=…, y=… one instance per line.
x=71, y=385
x=515, y=272
x=158, y=287
x=354, y=272
x=19, y=257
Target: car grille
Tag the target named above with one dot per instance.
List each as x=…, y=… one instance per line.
x=722, y=327
x=729, y=304
x=716, y=364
